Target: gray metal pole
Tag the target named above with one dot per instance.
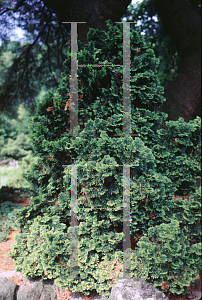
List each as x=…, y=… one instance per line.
x=126, y=131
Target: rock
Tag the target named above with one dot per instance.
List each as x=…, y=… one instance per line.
x=38, y=289
x=7, y=289
x=195, y=295
x=135, y=289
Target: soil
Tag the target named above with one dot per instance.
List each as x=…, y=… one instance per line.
x=7, y=263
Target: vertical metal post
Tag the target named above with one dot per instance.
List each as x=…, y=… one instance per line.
x=126, y=131
x=126, y=222
x=126, y=80
x=74, y=82
x=74, y=236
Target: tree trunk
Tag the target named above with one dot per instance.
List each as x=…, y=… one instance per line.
x=93, y=12
x=183, y=24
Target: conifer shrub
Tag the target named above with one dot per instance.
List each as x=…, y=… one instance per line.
x=166, y=258
x=43, y=246
x=188, y=213
x=178, y=154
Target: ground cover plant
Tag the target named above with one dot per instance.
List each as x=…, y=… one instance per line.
x=7, y=219
x=165, y=162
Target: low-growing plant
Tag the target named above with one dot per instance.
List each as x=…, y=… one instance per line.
x=165, y=258
x=14, y=151
x=188, y=213
x=7, y=218
x=3, y=236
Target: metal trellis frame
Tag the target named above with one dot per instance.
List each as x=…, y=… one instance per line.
x=126, y=131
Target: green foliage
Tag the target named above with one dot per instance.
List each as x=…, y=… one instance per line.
x=23, y=121
x=18, y=148
x=6, y=129
x=172, y=252
x=12, y=150
x=178, y=154
x=16, y=174
x=21, y=150
x=7, y=218
x=41, y=238
x=188, y=212
x=23, y=141
x=39, y=65
x=6, y=60
x=165, y=254
x=3, y=236
x=99, y=157
x=9, y=56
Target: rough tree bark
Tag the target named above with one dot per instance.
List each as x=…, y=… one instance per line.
x=183, y=24
x=93, y=12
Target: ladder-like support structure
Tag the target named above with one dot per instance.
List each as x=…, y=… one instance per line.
x=126, y=131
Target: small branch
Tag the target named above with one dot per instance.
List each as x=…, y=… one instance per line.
x=26, y=58
x=18, y=80
x=58, y=42
x=17, y=5
x=49, y=63
x=20, y=3
x=7, y=9
x=62, y=44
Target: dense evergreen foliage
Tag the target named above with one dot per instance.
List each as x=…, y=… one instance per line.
x=164, y=163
